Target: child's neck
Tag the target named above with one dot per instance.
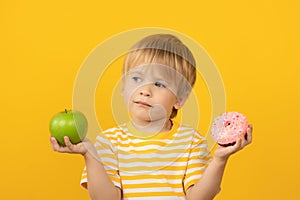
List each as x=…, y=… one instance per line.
x=157, y=126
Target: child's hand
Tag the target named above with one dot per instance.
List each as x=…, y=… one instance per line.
x=79, y=148
x=223, y=153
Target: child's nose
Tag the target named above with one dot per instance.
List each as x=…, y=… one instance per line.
x=145, y=91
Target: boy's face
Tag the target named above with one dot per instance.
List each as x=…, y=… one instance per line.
x=150, y=92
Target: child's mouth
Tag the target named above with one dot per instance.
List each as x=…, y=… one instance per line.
x=142, y=103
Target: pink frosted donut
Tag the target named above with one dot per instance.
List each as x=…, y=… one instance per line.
x=227, y=128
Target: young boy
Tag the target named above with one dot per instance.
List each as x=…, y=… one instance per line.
x=152, y=156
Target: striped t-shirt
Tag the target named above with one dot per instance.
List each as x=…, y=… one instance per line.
x=159, y=167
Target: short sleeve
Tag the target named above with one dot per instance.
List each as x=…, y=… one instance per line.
x=198, y=161
x=108, y=157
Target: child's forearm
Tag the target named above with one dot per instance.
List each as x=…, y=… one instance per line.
x=99, y=184
x=209, y=185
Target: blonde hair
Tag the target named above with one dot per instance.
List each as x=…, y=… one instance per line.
x=163, y=49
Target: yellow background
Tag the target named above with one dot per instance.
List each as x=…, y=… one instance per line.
x=255, y=45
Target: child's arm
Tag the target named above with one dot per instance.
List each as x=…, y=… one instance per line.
x=99, y=184
x=209, y=185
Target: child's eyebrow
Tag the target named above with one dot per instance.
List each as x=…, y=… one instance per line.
x=166, y=77
x=135, y=72
x=162, y=78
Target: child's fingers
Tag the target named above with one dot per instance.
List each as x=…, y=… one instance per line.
x=244, y=140
x=68, y=143
x=57, y=147
x=70, y=147
x=247, y=138
x=67, y=140
x=249, y=133
x=54, y=144
x=235, y=147
x=238, y=144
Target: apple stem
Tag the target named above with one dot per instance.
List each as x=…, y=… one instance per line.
x=66, y=110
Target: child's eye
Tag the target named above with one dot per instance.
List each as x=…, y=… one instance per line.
x=137, y=79
x=159, y=84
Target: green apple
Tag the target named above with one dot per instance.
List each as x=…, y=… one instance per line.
x=69, y=123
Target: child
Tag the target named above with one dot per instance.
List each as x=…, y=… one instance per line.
x=152, y=156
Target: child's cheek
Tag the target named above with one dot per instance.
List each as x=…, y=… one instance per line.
x=129, y=91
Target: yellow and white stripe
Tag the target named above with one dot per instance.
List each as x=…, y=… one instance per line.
x=159, y=167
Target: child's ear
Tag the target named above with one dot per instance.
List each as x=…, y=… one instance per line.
x=181, y=100
x=177, y=105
